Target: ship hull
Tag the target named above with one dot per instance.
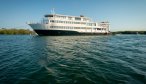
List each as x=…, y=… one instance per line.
x=64, y=33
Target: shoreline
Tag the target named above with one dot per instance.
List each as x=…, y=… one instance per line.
x=129, y=32
x=13, y=31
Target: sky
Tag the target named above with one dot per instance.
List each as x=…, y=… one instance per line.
x=122, y=14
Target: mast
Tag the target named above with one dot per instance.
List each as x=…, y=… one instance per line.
x=52, y=11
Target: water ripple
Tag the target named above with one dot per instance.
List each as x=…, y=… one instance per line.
x=72, y=59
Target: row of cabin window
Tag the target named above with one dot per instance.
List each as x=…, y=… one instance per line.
x=67, y=27
x=70, y=18
x=63, y=17
x=101, y=29
x=69, y=22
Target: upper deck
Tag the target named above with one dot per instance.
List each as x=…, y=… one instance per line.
x=80, y=18
x=71, y=21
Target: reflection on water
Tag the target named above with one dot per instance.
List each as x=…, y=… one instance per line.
x=73, y=59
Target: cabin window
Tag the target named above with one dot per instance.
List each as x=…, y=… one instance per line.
x=84, y=19
x=63, y=17
x=98, y=28
x=94, y=24
x=51, y=20
x=70, y=18
x=77, y=18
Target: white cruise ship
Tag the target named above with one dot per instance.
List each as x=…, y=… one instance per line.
x=56, y=24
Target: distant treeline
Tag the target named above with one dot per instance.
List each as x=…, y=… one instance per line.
x=16, y=31
x=27, y=31
x=129, y=32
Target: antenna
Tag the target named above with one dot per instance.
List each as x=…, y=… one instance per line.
x=53, y=12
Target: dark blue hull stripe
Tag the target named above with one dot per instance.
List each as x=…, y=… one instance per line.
x=63, y=33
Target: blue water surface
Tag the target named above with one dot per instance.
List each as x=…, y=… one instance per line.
x=117, y=59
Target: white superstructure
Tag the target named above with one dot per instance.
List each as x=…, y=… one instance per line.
x=56, y=24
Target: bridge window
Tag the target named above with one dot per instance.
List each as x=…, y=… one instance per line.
x=77, y=18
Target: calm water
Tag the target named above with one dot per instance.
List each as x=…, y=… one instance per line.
x=119, y=59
